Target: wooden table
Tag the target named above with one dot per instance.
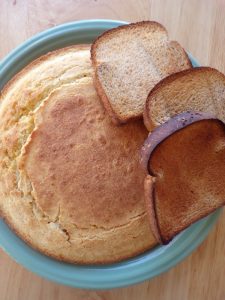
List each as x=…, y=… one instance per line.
x=199, y=25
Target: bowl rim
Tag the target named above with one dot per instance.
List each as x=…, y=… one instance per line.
x=132, y=271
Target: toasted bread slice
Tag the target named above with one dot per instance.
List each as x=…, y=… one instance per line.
x=185, y=158
x=128, y=61
x=199, y=89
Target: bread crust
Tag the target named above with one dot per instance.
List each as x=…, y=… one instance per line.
x=108, y=260
x=149, y=190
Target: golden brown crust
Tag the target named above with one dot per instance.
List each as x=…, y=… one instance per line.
x=150, y=206
x=110, y=259
x=149, y=124
x=104, y=230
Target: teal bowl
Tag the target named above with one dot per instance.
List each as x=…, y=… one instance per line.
x=125, y=273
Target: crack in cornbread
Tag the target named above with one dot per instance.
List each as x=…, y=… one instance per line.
x=70, y=182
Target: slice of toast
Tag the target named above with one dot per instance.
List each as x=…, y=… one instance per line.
x=198, y=89
x=185, y=159
x=128, y=61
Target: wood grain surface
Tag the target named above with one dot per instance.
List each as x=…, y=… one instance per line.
x=199, y=25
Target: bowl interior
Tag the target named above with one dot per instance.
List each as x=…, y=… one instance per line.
x=128, y=272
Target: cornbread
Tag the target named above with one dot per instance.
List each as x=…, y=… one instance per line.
x=71, y=185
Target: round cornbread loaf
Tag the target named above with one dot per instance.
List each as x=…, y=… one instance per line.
x=70, y=184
